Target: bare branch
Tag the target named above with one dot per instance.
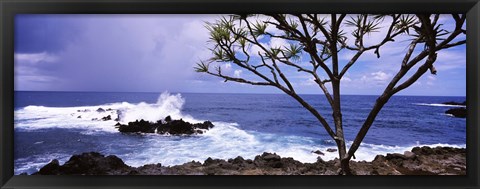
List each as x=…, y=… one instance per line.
x=239, y=80
x=411, y=48
x=320, y=25
x=446, y=46
x=421, y=70
x=350, y=63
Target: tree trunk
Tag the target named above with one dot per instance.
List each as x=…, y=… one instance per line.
x=340, y=139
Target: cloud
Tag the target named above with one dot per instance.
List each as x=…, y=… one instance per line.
x=237, y=73
x=431, y=80
x=47, y=32
x=380, y=76
x=346, y=79
x=123, y=52
x=308, y=82
x=158, y=52
x=33, y=70
x=377, y=78
x=451, y=59
x=34, y=58
x=227, y=66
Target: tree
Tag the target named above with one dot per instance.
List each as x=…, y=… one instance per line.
x=321, y=38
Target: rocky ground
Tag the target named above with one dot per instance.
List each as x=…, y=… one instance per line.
x=418, y=161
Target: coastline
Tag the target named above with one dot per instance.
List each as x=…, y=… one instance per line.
x=418, y=161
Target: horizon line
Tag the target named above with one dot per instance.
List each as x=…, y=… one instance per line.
x=220, y=93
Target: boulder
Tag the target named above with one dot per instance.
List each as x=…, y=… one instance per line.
x=52, y=168
x=141, y=126
x=100, y=110
x=168, y=119
x=176, y=127
x=271, y=157
x=457, y=112
x=91, y=163
x=106, y=118
x=395, y=156
x=331, y=150
x=318, y=152
x=427, y=161
x=409, y=155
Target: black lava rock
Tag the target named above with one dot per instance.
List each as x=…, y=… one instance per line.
x=457, y=112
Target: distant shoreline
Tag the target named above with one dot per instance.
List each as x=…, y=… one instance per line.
x=419, y=161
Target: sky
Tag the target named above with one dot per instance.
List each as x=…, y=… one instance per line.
x=156, y=53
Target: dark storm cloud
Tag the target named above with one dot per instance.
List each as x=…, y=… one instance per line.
x=38, y=33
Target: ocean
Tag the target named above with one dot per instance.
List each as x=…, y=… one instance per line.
x=56, y=125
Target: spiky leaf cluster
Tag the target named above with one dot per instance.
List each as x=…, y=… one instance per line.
x=293, y=52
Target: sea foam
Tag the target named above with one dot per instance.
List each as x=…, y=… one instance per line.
x=439, y=105
x=87, y=117
x=224, y=141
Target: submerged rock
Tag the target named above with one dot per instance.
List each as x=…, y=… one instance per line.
x=457, y=112
x=331, y=150
x=426, y=161
x=318, y=152
x=106, y=118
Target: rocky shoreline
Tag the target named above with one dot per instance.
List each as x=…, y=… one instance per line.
x=418, y=161
x=460, y=112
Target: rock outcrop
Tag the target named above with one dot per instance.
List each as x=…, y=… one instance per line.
x=457, y=112
x=167, y=126
x=92, y=163
x=420, y=161
x=464, y=103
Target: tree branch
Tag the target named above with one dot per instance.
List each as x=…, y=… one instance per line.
x=350, y=63
x=239, y=80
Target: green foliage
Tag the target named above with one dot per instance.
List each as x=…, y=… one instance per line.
x=242, y=42
x=202, y=67
x=275, y=52
x=293, y=24
x=405, y=23
x=364, y=24
x=259, y=29
x=293, y=52
x=219, y=54
x=220, y=32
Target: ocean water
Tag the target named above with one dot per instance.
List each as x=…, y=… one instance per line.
x=56, y=125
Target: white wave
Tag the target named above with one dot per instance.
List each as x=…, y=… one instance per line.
x=88, y=118
x=224, y=141
x=439, y=105
x=167, y=105
x=367, y=152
